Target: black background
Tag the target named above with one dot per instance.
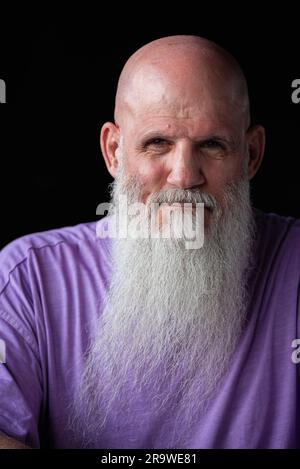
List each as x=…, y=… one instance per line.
x=61, y=72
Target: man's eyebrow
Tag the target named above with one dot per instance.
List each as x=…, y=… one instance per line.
x=217, y=137
x=164, y=135
x=155, y=134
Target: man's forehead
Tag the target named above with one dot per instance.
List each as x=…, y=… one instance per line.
x=181, y=98
x=194, y=125
x=180, y=107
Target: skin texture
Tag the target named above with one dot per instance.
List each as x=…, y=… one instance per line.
x=183, y=114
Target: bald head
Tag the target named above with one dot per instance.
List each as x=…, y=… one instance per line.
x=179, y=71
x=182, y=118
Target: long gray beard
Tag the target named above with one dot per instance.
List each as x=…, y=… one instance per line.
x=171, y=322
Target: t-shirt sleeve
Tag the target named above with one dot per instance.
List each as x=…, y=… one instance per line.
x=20, y=370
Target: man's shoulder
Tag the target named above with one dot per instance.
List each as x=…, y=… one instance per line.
x=274, y=224
x=20, y=248
x=80, y=237
x=279, y=236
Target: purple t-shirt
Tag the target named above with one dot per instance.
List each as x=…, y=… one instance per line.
x=52, y=286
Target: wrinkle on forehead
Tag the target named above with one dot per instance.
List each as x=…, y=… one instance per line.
x=181, y=76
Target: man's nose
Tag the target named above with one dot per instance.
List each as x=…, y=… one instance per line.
x=185, y=170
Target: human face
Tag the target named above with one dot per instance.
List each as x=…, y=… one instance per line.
x=183, y=148
x=183, y=130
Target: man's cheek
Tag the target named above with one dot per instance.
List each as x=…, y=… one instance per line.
x=153, y=177
x=149, y=180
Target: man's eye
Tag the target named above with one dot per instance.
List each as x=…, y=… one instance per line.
x=156, y=141
x=212, y=144
x=155, y=146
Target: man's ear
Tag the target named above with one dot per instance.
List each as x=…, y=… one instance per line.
x=109, y=142
x=256, y=146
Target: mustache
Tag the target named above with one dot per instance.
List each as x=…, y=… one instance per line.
x=193, y=196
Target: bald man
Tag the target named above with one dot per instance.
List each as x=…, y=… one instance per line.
x=130, y=341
